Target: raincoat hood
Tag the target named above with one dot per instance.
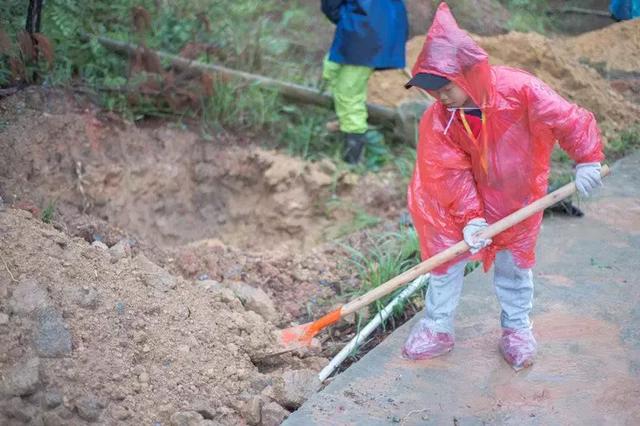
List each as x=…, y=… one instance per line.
x=450, y=52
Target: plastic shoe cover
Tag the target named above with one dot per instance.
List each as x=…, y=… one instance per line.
x=518, y=347
x=424, y=343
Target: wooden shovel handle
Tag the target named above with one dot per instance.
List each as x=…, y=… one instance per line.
x=462, y=247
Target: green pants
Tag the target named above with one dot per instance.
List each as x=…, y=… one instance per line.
x=348, y=84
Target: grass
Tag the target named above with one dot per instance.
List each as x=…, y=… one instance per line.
x=623, y=144
x=258, y=36
x=389, y=255
x=48, y=212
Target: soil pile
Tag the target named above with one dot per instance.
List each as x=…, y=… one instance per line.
x=555, y=66
x=167, y=186
x=554, y=61
x=169, y=260
x=614, y=48
x=97, y=334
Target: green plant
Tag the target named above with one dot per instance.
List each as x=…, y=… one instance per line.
x=389, y=255
x=624, y=143
x=529, y=15
x=48, y=212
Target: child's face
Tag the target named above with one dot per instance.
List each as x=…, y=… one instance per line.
x=452, y=96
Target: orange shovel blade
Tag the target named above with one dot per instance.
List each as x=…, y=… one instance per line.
x=302, y=335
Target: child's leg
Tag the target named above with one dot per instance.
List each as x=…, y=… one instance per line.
x=432, y=336
x=443, y=295
x=514, y=288
x=330, y=71
x=350, y=97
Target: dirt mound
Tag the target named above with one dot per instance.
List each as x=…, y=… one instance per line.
x=577, y=82
x=92, y=336
x=614, y=48
x=544, y=58
x=165, y=185
x=102, y=325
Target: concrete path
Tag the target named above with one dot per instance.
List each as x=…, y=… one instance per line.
x=586, y=319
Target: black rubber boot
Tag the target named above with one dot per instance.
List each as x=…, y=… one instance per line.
x=354, y=147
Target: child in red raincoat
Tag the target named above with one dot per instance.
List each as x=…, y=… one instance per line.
x=483, y=153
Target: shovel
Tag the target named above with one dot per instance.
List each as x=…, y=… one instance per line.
x=299, y=336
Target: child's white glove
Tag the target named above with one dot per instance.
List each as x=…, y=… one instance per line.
x=470, y=232
x=588, y=177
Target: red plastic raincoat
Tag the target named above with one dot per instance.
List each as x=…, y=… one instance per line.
x=459, y=177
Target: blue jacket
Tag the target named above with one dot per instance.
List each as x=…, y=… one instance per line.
x=370, y=33
x=624, y=9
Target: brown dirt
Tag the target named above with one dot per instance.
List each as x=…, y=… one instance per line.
x=142, y=352
x=168, y=186
x=614, y=48
x=214, y=216
x=579, y=83
x=545, y=58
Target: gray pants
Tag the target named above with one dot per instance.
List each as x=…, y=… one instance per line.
x=514, y=289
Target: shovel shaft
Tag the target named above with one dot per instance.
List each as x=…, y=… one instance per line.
x=461, y=247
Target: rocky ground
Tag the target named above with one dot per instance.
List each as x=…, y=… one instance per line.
x=169, y=260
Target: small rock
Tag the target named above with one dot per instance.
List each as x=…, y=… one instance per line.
x=99, y=245
x=273, y=414
x=4, y=319
x=22, y=378
x=209, y=284
x=144, y=378
x=17, y=409
x=63, y=412
x=154, y=276
x=52, y=419
x=27, y=297
x=118, y=394
x=256, y=300
x=52, y=399
x=121, y=413
x=296, y=387
x=251, y=410
x=186, y=418
x=89, y=408
x=88, y=298
x=327, y=166
x=139, y=337
x=52, y=337
x=120, y=250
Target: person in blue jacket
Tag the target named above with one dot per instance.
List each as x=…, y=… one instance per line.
x=624, y=9
x=370, y=35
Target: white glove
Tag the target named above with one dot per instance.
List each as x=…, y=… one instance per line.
x=470, y=232
x=588, y=177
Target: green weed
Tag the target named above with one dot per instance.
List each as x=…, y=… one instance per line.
x=528, y=16
x=389, y=255
x=48, y=212
x=626, y=142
